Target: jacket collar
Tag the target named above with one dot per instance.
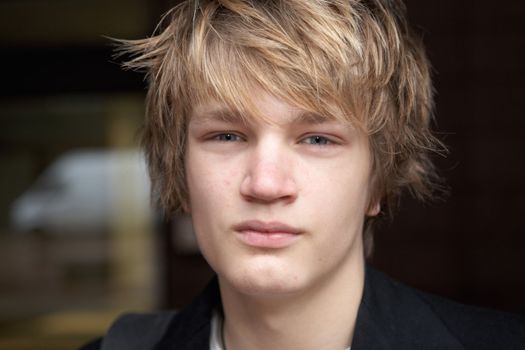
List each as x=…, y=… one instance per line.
x=190, y=328
x=393, y=316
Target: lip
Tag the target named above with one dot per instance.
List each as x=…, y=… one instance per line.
x=261, y=234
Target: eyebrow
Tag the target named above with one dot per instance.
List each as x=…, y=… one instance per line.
x=218, y=114
x=307, y=117
x=226, y=115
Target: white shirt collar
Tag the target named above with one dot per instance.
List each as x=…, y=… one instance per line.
x=216, y=332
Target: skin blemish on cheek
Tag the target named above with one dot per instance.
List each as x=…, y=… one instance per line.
x=227, y=182
x=232, y=174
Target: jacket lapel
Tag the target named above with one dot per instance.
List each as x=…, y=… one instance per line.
x=190, y=328
x=393, y=316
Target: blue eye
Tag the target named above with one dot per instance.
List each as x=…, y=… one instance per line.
x=317, y=140
x=227, y=137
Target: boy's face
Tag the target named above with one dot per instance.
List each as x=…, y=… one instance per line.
x=277, y=207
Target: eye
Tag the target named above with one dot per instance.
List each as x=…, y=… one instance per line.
x=317, y=140
x=227, y=137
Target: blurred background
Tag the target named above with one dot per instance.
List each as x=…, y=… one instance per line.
x=79, y=242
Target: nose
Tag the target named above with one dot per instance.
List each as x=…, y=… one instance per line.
x=269, y=177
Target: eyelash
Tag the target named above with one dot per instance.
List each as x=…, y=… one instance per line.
x=319, y=140
x=227, y=137
x=314, y=140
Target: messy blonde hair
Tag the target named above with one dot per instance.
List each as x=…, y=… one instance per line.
x=351, y=60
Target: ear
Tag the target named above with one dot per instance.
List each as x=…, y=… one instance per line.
x=374, y=209
x=185, y=208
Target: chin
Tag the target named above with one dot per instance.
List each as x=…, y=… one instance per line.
x=265, y=278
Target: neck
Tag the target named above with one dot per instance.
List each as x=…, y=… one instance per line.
x=323, y=317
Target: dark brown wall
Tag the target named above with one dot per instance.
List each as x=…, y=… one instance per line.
x=472, y=246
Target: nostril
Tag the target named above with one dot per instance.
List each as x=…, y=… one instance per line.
x=268, y=187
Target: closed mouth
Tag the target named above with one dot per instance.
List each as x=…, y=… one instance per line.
x=272, y=227
x=266, y=235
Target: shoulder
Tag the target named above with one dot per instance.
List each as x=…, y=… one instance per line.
x=476, y=327
x=188, y=328
x=134, y=331
x=93, y=345
x=426, y=317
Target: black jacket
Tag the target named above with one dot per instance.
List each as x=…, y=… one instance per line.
x=391, y=316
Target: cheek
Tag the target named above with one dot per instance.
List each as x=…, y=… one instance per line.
x=338, y=195
x=345, y=183
x=211, y=186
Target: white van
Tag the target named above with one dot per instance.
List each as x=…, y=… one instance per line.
x=86, y=192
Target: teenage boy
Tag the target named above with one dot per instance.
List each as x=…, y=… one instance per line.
x=284, y=128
